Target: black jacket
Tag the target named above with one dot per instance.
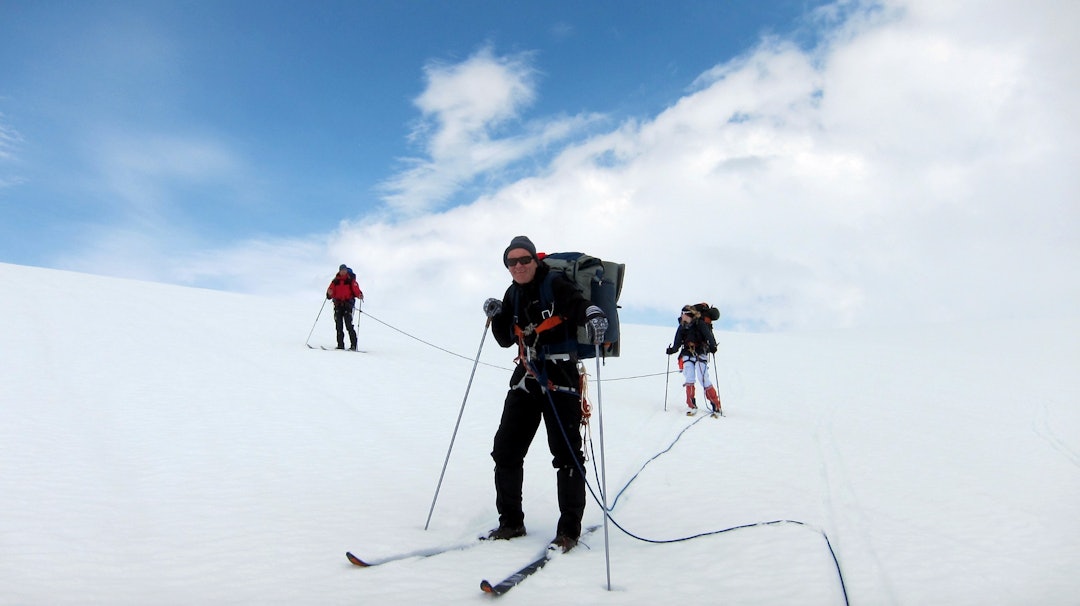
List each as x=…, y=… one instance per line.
x=695, y=338
x=522, y=307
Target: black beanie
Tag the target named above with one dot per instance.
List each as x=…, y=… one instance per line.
x=519, y=242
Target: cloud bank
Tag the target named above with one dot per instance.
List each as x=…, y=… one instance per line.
x=916, y=165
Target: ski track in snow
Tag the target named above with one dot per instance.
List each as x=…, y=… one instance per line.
x=1043, y=427
x=851, y=530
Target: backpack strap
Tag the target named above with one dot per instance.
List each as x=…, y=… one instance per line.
x=547, y=300
x=533, y=358
x=564, y=350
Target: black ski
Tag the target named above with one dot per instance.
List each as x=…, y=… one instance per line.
x=325, y=348
x=529, y=569
x=512, y=581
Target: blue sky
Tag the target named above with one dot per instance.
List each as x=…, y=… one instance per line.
x=795, y=163
x=312, y=101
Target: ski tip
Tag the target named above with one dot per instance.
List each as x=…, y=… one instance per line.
x=486, y=587
x=355, y=561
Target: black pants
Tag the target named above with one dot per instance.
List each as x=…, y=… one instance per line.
x=522, y=412
x=343, y=316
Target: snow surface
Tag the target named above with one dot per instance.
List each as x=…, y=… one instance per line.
x=169, y=445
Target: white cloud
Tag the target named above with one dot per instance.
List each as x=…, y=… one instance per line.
x=918, y=166
x=151, y=187
x=10, y=140
x=138, y=170
x=465, y=112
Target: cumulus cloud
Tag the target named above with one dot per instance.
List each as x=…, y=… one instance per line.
x=464, y=129
x=916, y=166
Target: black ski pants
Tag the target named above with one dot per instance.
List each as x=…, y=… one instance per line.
x=521, y=416
x=343, y=319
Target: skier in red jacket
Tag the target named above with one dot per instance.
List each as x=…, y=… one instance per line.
x=343, y=291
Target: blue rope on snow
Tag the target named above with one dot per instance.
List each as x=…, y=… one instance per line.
x=828, y=543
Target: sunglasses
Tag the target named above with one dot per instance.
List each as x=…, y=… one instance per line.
x=518, y=261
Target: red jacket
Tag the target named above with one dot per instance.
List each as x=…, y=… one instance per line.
x=344, y=289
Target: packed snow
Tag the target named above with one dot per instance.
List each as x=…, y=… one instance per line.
x=168, y=445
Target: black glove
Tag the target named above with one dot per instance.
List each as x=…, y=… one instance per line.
x=712, y=349
x=492, y=307
x=672, y=350
x=597, y=324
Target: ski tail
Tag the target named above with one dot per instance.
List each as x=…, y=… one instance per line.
x=419, y=553
x=355, y=561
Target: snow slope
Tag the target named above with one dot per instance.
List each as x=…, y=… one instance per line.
x=168, y=445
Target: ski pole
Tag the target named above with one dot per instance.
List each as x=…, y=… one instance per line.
x=716, y=386
x=603, y=466
x=667, y=380
x=458, y=424
x=316, y=322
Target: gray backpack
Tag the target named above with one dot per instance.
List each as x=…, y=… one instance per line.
x=600, y=282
